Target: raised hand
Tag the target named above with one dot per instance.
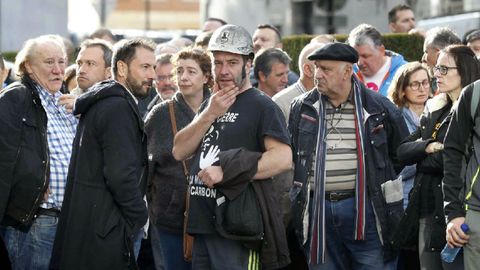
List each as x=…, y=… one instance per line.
x=221, y=100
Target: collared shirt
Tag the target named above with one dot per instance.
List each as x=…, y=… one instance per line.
x=61, y=129
x=340, y=139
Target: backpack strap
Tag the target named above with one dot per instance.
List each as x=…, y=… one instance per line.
x=475, y=98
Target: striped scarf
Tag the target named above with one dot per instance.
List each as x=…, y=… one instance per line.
x=317, y=228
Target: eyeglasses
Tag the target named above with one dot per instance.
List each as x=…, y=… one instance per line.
x=442, y=69
x=415, y=85
x=163, y=78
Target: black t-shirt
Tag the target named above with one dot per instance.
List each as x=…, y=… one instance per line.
x=252, y=117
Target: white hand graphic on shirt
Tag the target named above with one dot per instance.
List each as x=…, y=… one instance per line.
x=209, y=158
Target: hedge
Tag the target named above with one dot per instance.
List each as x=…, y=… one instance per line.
x=410, y=46
x=9, y=56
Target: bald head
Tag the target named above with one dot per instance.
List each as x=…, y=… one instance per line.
x=306, y=51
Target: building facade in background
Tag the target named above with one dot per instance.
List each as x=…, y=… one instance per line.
x=24, y=19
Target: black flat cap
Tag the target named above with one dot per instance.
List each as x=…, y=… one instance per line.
x=335, y=51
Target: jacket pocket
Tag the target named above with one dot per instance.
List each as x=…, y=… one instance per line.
x=108, y=225
x=379, y=145
x=394, y=216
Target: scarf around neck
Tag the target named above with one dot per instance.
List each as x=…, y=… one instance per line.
x=317, y=228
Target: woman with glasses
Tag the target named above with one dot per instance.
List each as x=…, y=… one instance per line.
x=410, y=90
x=424, y=221
x=167, y=185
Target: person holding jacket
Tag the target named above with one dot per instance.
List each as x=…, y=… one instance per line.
x=424, y=221
x=167, y=182
x=236, y=115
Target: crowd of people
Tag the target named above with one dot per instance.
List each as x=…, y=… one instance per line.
x=363, y=160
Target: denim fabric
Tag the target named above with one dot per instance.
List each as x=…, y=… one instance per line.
x=172, y=248
x=407, y=186
x=343, y=252
x=157, y=251
x=138, y=243
x=31, y=249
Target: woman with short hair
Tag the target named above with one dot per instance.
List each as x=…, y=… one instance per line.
x=167, y=184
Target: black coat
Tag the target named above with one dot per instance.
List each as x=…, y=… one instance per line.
x=427, y=188
x=103, y=208
x=24, y=159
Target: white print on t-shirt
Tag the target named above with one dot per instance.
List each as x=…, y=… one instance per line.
x=228, y=117
x=209, y=158
x=199, y=189
x=209, y=152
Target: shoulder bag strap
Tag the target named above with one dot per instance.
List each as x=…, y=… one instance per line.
x=173, y=120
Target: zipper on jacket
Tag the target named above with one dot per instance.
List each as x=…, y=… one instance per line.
x=45, y=182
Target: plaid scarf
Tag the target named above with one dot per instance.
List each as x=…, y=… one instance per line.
x=317, y=228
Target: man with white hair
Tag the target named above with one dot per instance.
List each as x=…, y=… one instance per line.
x=36, y=134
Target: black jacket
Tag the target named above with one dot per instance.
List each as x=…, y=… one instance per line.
x=24, y=159
x=167, y=184
x=103, y=209
x=239, y=166
x=462, y=145
x=426, y=196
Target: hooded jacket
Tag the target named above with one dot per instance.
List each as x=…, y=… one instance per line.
x=103, y=208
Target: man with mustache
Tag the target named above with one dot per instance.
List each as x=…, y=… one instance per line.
x=93, y=64
x=344, y=139
x=36, y=134
x=104, y=208
x=376, y=66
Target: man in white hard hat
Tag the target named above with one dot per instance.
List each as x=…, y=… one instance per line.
x=237, y=118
